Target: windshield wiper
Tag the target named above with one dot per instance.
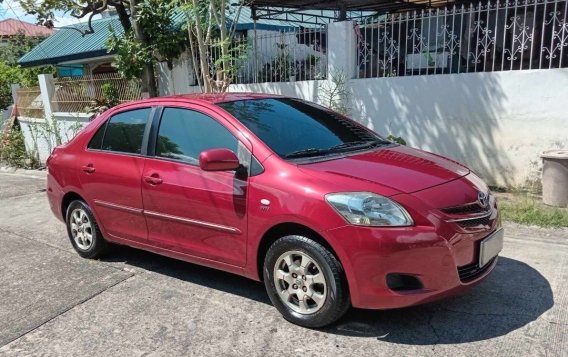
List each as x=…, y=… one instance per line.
x=306, y=153
x=360, y=144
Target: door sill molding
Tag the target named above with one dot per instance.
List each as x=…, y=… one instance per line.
x=193, y=222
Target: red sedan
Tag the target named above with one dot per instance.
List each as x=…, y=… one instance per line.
x=323, y=210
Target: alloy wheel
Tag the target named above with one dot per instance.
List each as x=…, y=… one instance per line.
x=300, y=282
x=81, y=229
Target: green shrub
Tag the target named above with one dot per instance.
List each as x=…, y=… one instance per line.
x=13, y=149
x=396, y=139
x=110, y=95
x=533, y=212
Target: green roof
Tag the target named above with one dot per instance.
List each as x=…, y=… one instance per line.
x=68, y=44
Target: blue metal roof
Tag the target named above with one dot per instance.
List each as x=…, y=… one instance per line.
x=68, y=44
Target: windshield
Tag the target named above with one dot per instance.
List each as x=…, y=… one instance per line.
x=294, y=128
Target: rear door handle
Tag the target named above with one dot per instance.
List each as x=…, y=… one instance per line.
x=89, y=168
x=153, y=179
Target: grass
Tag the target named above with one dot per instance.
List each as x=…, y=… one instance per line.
x=529, y=210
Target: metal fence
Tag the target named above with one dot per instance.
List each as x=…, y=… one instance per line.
x=298, y=54
x=29, y=103
x=82, y=94
x=481, y=37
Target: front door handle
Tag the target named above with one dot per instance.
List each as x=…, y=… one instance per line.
x=89, y=168
x=153, y=179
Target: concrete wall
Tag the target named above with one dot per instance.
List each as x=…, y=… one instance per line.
x=39, y=134
x=179, y=79
x=496, y=123
x=301, y=89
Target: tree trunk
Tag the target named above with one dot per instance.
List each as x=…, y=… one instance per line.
x=123, y=17
x=202, y=47
x=193, y=54
x=148, y=76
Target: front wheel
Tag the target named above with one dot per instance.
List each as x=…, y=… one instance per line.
x=305, y=282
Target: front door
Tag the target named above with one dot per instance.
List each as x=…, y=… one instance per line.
x=187, y=209
x=111, y=174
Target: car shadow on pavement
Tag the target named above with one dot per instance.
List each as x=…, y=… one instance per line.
x=192, y=273
x=514, y=295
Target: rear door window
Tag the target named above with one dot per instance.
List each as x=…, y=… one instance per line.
x=125, y=131
x=184, y=134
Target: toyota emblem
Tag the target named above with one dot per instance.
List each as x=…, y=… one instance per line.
x=483, y=199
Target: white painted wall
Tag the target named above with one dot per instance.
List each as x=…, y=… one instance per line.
x=300, y=89
x=179, y=79
x=37, y=138
x=496, y=123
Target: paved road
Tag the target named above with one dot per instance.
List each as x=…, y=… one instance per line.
x=52, y=302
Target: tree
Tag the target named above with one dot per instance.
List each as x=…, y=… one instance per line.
x=8, y=76
x=12, y=73
x=208, y=28
x=154, y=37
x=17, y=46
x=148, y=32
x=44, y=10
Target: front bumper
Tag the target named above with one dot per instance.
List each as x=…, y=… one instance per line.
x=420, y=252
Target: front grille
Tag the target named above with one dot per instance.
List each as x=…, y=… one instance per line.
x=475, y=222
x=471, y=216
x=466, y=209
x=471, y=271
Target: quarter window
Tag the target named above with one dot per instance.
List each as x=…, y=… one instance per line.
x=97, y=140
x=184, y=134
x=125, y=131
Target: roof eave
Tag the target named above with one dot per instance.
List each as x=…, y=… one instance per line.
x=56, y=60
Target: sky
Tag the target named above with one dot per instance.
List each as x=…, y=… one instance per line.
x=11, y=9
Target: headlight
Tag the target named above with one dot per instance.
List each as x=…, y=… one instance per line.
x=369, y=209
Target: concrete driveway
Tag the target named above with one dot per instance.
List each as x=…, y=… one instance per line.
x=52, y=302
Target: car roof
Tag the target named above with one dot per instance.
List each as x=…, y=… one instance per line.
x=210, y=97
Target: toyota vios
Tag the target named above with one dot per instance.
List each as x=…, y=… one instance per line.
x=324, y=211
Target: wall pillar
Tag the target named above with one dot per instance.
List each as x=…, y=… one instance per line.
x=342, y=49
x=47, y=90
x=15, y=88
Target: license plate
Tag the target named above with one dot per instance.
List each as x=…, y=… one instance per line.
x=490, y=247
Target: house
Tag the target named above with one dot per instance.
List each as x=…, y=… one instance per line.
x=76, y=55
x=10, y=28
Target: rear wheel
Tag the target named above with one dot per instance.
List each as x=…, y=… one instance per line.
x=305, y=282
x=83, y=231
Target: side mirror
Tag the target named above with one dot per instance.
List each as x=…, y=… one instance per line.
x=218, y=160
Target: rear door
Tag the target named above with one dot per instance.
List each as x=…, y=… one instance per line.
x=111, y=174
x=187, y=209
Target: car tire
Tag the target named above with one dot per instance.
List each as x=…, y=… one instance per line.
x=305, y=282
x=84, y=231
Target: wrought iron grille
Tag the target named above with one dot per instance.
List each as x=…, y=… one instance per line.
x=79, y=94
x=270, y=56
x=29, y=103
x=481, y=37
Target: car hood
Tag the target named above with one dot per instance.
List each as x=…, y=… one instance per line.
x=399, y=168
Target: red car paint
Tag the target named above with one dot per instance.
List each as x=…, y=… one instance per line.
x=215, y=218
